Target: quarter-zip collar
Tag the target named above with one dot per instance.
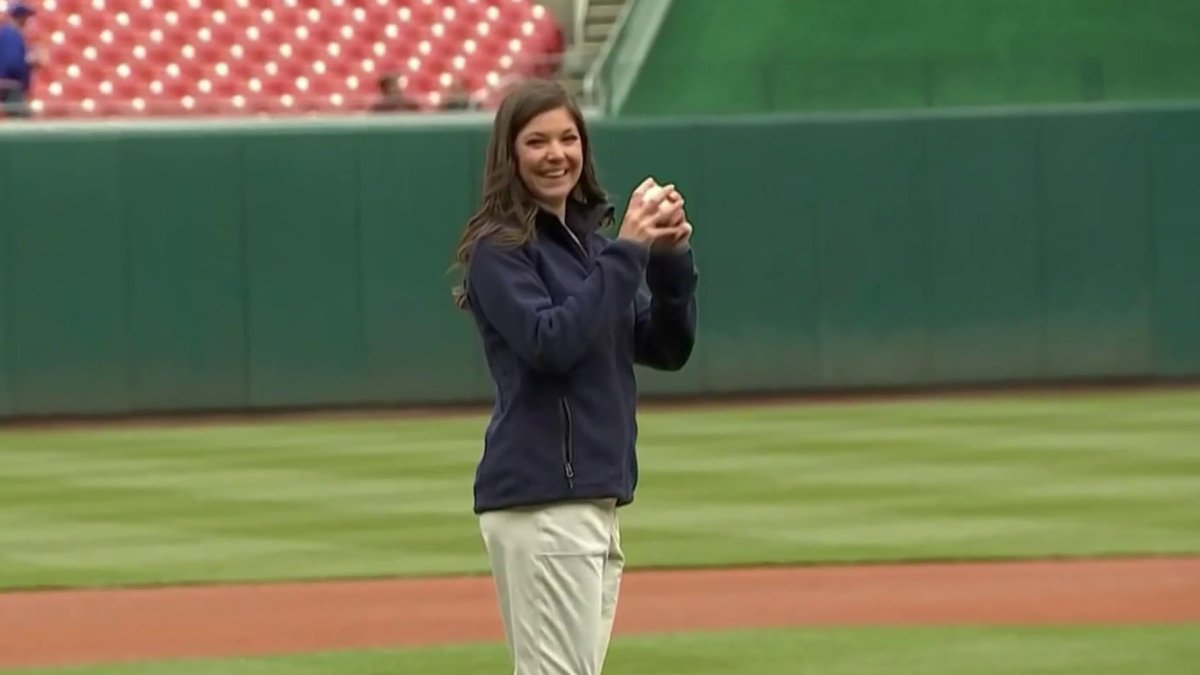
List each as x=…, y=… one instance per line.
x=581, y=221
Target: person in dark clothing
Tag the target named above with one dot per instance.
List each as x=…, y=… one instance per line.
x=391, y=96
x=458, y=98
x=17, y=62
x=564, y=314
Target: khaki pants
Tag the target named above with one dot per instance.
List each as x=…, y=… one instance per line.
x=557, y=571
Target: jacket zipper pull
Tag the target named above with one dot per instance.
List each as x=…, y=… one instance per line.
x=568, y=450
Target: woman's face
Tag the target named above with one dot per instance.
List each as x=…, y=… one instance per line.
x=550, y=157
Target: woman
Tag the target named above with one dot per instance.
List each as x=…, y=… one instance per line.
x=564, y=313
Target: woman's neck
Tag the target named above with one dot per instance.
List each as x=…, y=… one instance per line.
x=559, y=209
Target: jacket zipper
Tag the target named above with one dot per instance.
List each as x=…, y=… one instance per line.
x=578, y=243
x=568, y=425
x=568, y=444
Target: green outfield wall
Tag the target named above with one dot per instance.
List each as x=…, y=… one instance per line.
x=233, y=266
x=723, y=56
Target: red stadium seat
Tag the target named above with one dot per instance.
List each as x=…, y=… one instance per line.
x=131, y=57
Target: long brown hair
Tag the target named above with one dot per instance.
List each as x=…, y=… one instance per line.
x=507, y=210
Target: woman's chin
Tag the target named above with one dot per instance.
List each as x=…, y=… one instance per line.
x=554, y=194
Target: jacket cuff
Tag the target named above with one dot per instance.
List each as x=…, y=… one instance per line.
x=640, y=254
x=672, y=273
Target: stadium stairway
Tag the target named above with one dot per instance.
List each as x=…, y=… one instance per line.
x=597, y=23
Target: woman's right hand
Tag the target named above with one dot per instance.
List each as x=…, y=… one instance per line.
x=646, y=220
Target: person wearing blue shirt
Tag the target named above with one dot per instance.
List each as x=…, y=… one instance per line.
x=16, y=64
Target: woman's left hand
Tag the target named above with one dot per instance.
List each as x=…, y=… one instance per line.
x=679, y=221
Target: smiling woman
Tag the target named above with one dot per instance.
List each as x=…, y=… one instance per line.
x=550, y=157
x=564, y=313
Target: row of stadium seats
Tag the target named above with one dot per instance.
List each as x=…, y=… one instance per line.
x=106, y=57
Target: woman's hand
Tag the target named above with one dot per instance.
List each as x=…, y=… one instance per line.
x=654, y=215
x=679, y=229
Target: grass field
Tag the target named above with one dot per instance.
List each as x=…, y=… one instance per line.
x=984, y=477
x=987, y=477
x=900, y=651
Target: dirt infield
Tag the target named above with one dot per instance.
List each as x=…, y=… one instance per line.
x=103, y=626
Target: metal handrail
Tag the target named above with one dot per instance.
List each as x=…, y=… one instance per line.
x=606, y=50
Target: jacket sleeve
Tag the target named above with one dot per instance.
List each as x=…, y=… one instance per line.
x=665, y=328
x=504, y=286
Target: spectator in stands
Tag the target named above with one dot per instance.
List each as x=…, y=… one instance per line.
x=391, y=97
x=458, y=97
x=17, y=62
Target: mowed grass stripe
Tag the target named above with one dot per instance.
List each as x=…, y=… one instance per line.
x=994, y=477
x=866, y=651
x=259, y=484
x=971, y=489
